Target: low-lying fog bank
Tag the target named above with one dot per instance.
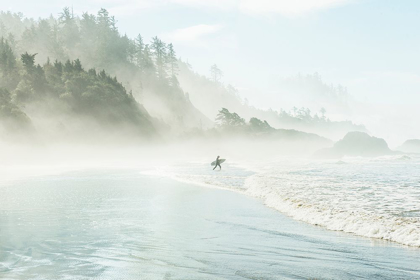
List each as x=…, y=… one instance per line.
x=126, y=155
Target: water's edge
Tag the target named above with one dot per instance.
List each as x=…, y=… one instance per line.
x=272, y=189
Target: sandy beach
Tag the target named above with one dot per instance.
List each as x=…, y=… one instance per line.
x=108, y=224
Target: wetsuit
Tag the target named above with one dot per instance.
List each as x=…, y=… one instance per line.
x=217, y=164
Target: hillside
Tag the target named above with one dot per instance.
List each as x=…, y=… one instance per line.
x=209, y=95
x=74, y=76
x=63, y=99
x=261, y=135
x=147, y=70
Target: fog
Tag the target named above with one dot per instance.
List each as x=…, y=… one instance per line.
x=119, y=159
x=77, y=80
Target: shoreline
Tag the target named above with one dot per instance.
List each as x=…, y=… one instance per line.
x=269, y=196
x=22, y=172
x=114, y=224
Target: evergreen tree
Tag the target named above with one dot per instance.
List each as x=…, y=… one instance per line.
x=131, y=49
x=7, y=58
x=147, y=69
x=158, y=49
x=56, y=45
x=139, y=52
x=78, y=65
x=89, y=37
x=148, y=65
x=28, y=61
x=9, y=76
x=11, y=113
x=172, y=61
x=3, y=29
x=227, y=119
x=258, y=125
x=215, y=73
x=70, y=30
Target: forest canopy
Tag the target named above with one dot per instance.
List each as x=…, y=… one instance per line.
x=73, y=65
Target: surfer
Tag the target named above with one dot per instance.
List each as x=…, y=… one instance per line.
x=217, y=163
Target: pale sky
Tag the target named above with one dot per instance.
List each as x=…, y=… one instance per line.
x=370, y=46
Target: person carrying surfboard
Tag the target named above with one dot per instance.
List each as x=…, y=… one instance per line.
x=217, y=163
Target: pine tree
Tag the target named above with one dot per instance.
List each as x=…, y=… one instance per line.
x=172, y=61
x=227, y=119
x=216, y=73
x=78, y=65
x=159, y=54
x=70, y=30
x=148, y=65
x=7, y=58
x=139, y=52
x=28, y=60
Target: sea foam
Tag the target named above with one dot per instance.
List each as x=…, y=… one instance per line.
x=377, y=198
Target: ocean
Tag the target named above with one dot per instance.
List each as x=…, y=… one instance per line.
x=283, y=219
x=371, y=197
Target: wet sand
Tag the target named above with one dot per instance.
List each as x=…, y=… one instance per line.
x=123, y=225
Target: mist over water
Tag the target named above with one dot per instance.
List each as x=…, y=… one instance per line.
x=112, y=223
x=368, y=197
x=106, y=143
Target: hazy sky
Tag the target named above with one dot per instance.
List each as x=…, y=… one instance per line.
x=370, y=46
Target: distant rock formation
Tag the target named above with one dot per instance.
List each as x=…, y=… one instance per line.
x=357, y=144
x=410, y=146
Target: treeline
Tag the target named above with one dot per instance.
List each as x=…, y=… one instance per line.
x=313, y=83
x=231, y=121
x=149, y=70
x=49, y=67
x=231, y=124
x=94, y=39
x=57, y=88
x=210, y=94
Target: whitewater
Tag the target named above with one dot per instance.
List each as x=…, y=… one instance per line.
x=370, y=197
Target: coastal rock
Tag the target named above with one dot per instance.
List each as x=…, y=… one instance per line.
x=410, y=146
x=357, y=144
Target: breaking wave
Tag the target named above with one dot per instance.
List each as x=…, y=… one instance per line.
x=377, y=198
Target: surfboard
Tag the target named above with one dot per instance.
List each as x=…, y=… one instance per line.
x=220, y=160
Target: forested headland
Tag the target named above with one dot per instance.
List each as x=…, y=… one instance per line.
x=71, y=75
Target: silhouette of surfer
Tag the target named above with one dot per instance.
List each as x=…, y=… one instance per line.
x=217, y=163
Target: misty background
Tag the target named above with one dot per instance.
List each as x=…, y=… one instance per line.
x=369, y=48
x=112, y=111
